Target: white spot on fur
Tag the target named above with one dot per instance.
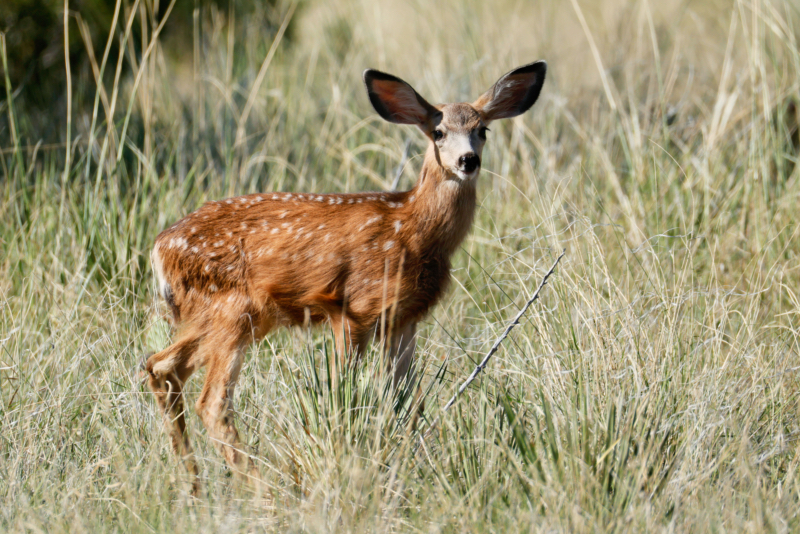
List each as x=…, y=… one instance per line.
x=230, y=268
x=229, y=201
x=388, y=245
x=320, y=198
x=207, y=267
x=258, y=199
x=275, y=197
x=350, y=201
x=283, y=214
x=274, y=231
x=321, y=226
x=213, y=288
x=233, y=249
x=194, y=230
x=370, y=221
x=397, y=226
x=219, y=243
x=195, y=250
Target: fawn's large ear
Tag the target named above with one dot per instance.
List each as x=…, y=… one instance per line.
x=514, y=93
x=396, y=101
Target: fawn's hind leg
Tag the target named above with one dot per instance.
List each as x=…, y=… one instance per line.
x=215, y=405
x=168, y=371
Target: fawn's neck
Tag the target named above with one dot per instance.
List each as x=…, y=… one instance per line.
x=443, y=207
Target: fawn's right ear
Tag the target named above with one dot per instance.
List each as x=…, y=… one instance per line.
x=396, y=101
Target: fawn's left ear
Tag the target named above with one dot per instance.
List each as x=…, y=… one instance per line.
x=396, y=101
x=514, y=93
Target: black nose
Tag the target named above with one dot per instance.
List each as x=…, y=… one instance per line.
x=469, y=162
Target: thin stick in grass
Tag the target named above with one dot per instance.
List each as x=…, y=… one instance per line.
x=480, y=367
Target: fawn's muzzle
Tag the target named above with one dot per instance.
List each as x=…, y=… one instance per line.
x=469, y=162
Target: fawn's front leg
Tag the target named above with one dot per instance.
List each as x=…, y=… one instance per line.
x=401, y=353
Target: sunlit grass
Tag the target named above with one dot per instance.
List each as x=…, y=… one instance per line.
x=653, y=387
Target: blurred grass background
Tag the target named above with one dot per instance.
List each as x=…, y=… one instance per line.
x=655, y=385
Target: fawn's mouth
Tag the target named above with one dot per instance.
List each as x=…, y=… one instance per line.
x=466, y=176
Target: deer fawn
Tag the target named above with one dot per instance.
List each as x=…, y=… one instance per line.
x=235, y=269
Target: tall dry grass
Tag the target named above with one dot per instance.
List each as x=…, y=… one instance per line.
x=654, y=387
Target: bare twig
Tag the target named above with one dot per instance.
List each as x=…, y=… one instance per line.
x=497, y=344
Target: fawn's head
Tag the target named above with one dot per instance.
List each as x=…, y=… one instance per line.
x=457, y=131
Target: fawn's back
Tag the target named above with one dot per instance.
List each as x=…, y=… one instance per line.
x=292, y=258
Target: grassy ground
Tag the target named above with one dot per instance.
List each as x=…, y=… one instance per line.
x=654, y=386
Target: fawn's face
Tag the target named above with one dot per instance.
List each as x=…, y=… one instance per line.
x=459, y=138
x=458, y=131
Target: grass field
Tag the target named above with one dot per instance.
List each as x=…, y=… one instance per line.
x=654, y=387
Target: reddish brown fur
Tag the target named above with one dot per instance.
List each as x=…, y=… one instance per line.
x=236, y=269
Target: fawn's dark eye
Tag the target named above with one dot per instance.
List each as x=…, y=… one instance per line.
x=437, y=135
x=482, y=132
